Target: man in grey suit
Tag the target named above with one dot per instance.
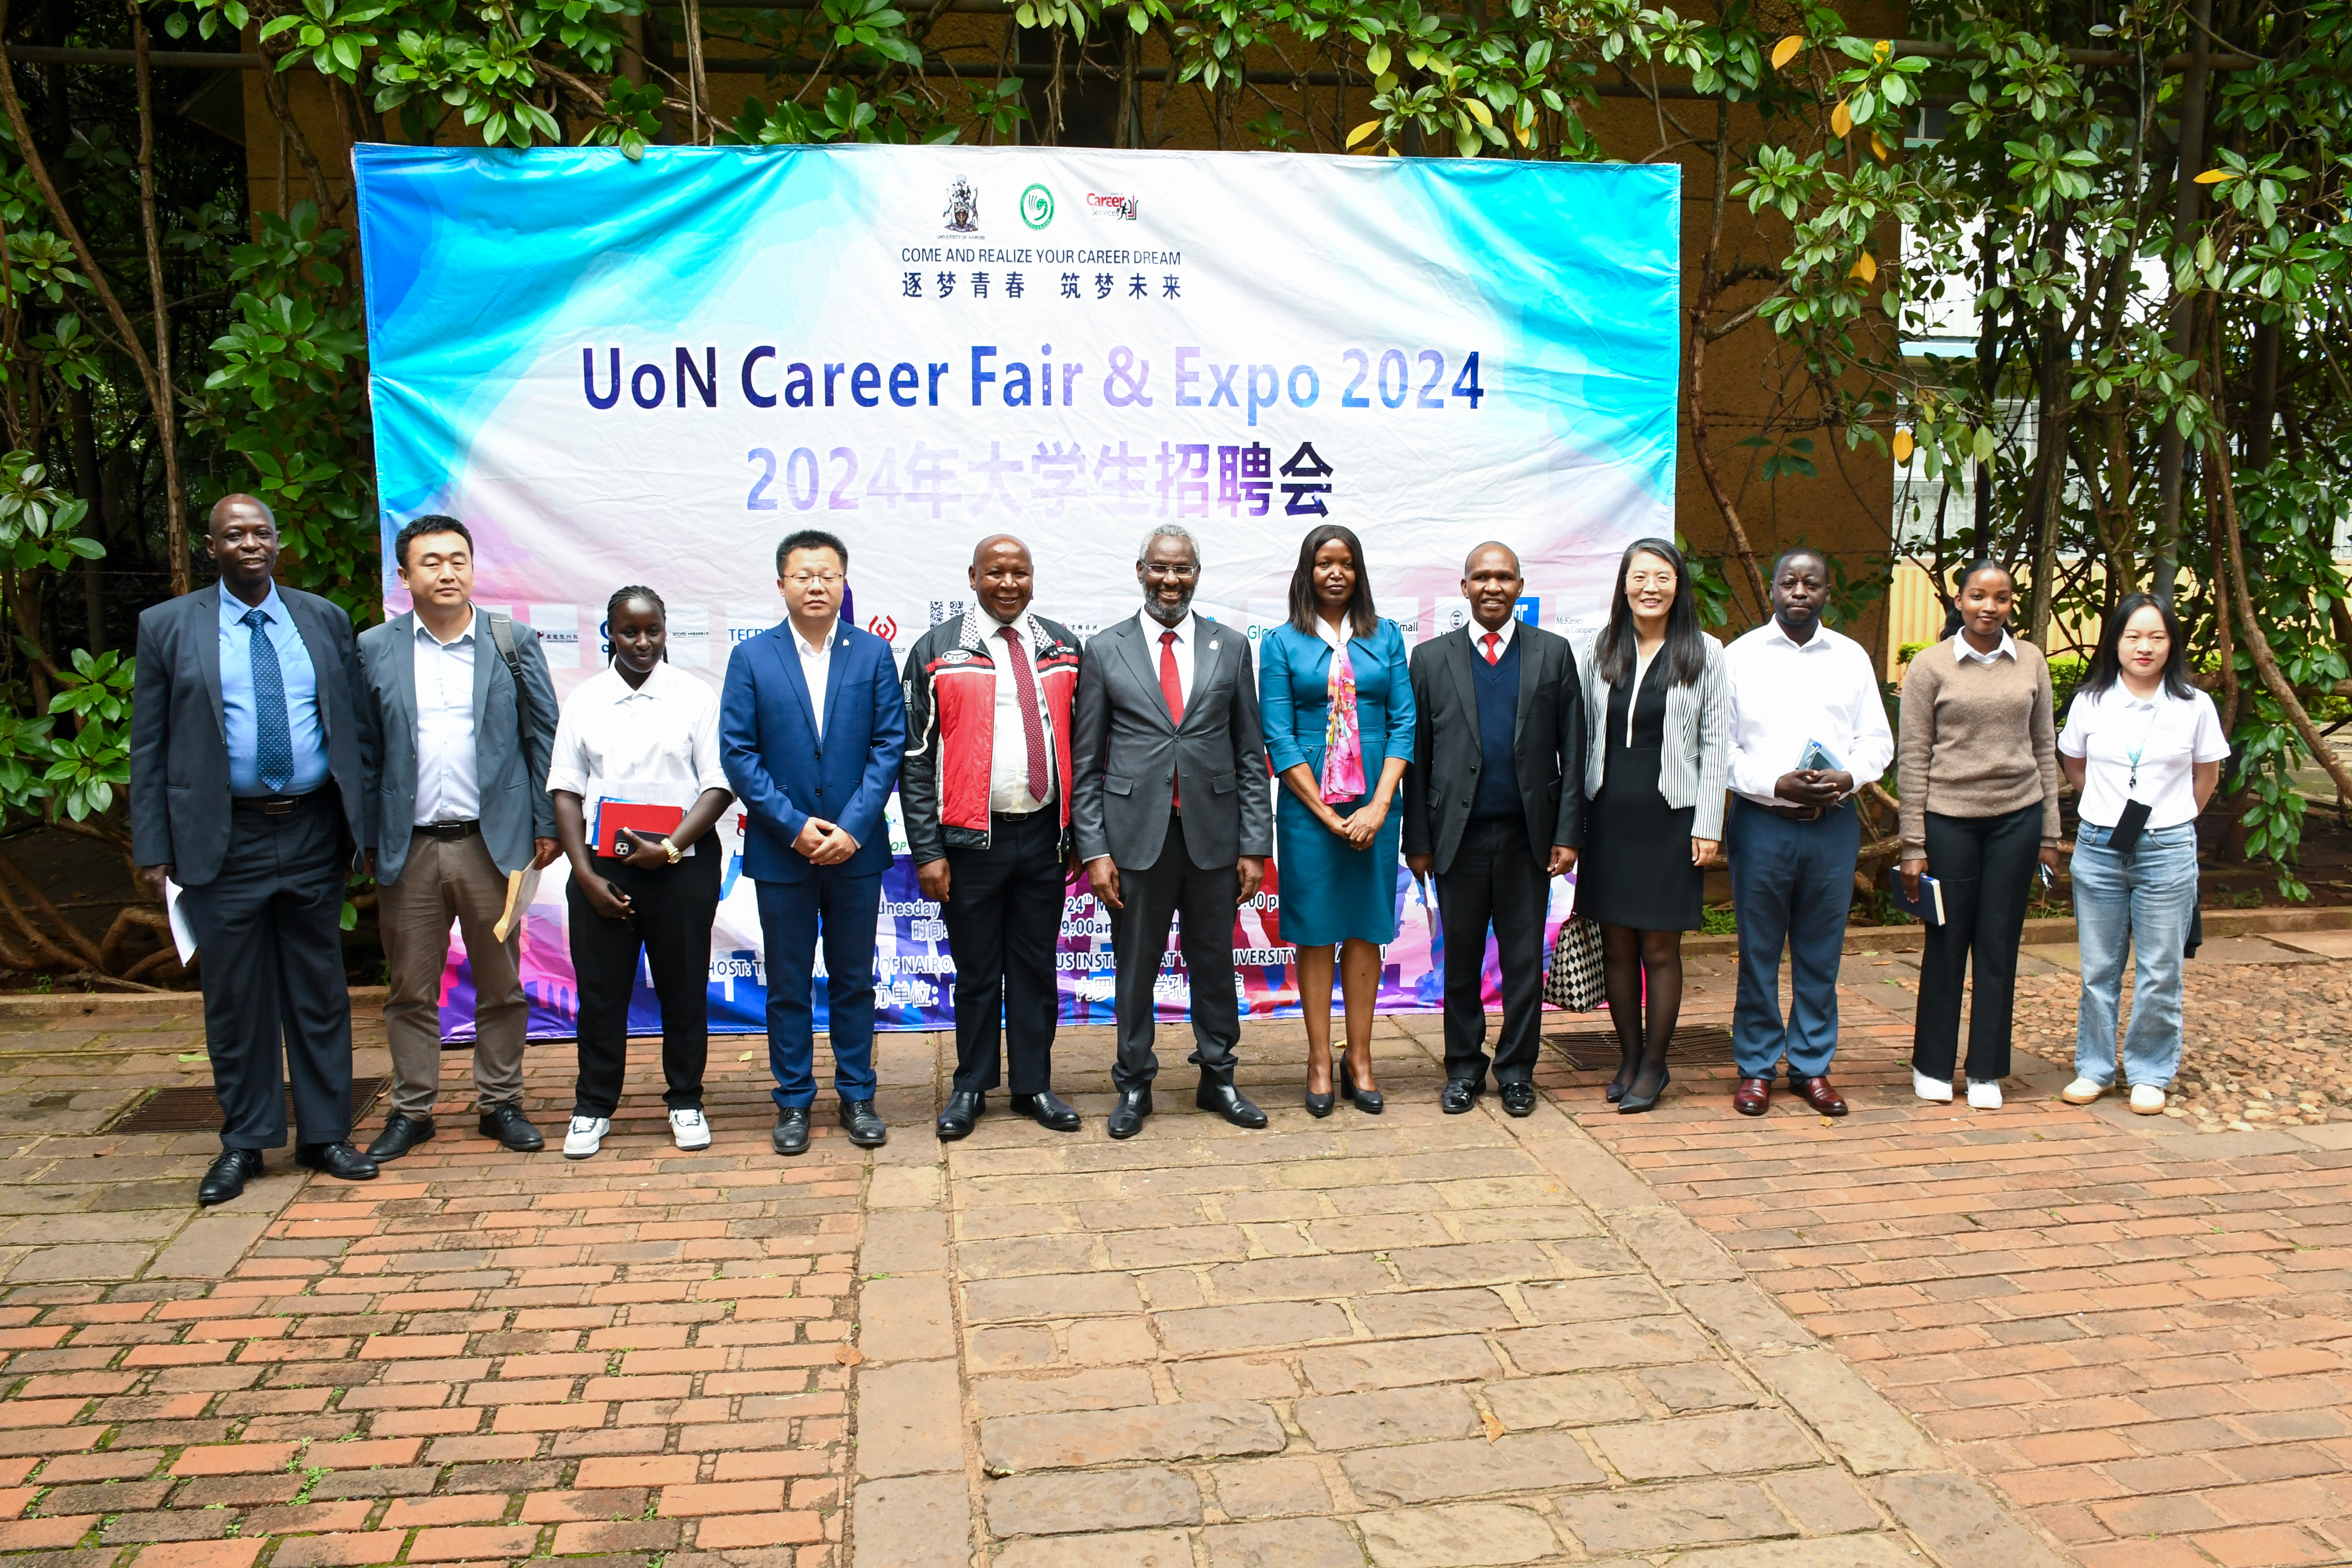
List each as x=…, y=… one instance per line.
x=1494, y=806
x=463, y=700
x=1169, y=809
x=252, y=768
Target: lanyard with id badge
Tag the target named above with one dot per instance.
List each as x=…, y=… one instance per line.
x=2132, y=821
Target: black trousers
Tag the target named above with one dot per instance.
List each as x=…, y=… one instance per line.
x=1985, y=866
x=1495, y=879
x=1003, y=912
x=670, y=926
x=269, y=936
x=1202, y=899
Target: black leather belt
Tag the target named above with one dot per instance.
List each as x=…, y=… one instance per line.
x=448, y=832
x=273, y=804
x=1798, y=813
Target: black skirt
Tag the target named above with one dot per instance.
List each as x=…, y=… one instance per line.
x=1636, y=869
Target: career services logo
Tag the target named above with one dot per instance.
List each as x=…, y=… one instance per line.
x=1110, y=206
x=1036, y=207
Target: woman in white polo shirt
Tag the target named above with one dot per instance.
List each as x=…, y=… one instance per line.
x=2145, y=749
x=640, y=735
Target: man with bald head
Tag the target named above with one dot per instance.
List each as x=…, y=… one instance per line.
x=1493, y=806
x=252, y=772
x=986, y=797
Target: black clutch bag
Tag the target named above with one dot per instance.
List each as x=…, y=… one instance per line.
x=2124, y=835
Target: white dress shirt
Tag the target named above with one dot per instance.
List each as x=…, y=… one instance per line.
x=1187, y=631
x=448, y=782
x=1963, y=651
x=2171, y=734
x=1008, y=762
x=657, y=742
x=1784, y=694
x=1507, y=631
x=816, y=667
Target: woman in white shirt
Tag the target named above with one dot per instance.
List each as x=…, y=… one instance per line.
x=2143, y=748
x=639, y=739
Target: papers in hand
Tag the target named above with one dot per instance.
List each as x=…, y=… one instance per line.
x=184, y=936
x=1928, y=908
x=1818, y=758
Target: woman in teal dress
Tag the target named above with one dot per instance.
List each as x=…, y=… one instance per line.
x=1337, y=708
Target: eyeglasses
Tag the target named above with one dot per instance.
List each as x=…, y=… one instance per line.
x=1155, y=569
x=805, y=580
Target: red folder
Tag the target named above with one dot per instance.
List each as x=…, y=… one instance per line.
x=613, y=816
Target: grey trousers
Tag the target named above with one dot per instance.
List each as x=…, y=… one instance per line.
x=445, y=881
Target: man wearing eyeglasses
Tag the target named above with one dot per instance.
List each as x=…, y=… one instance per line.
x=812, y=727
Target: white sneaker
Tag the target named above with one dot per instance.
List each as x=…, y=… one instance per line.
x=2147, y=1099
x=1926, y=1088
x=2082, y=1092
x=585, y=1136
x=1983, y=1096
x=689, y=1129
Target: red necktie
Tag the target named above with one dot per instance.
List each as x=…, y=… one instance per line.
x=1032, y=723
x=1173, y=690
x=1494, y=641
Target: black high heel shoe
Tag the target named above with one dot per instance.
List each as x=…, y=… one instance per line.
x=1633, y=1104
x=1318, y=1105
x=1627, y=1067
x=1368, y=1101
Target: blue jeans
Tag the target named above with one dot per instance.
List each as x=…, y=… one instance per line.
x=1793, y=883
x=2142, y=901
x=793, y=915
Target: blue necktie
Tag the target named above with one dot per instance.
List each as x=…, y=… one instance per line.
x=273, y=736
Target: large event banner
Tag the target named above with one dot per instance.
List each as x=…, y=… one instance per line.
x=622, y=372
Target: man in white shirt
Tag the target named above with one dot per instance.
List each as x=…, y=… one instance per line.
x=985, y=794
x=468, y=714
x=1808, y=728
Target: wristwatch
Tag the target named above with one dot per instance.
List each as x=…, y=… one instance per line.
x=670, y=849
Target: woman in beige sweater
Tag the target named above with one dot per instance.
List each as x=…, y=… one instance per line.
x=1977, y=765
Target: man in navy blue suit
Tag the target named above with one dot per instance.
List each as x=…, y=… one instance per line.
x=811, y=726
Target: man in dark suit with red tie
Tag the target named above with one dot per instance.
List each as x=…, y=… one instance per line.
x=1173, y=816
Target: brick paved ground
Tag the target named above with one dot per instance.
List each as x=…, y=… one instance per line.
x=1420, y=1340
x=2141, y=1334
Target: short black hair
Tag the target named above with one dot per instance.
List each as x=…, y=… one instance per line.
x=810, y=539
x=418, y=527
x=1806, y=550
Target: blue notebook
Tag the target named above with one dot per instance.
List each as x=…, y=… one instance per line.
x=1928, y=907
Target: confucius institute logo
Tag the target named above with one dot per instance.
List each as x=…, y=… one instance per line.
x=1036, y=207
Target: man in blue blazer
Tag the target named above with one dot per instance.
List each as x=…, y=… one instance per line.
x=812, y=727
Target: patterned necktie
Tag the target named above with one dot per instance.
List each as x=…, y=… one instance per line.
x=1033, y=722
x=273, y=736
x=1494, y=641
x=1172, y=688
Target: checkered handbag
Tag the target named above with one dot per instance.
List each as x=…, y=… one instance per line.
x=1573, y=979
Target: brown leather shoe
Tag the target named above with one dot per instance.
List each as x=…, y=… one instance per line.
x=1817, y=1093
x=1753, y=1097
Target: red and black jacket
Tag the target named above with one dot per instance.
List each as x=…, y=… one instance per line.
x=951, y=681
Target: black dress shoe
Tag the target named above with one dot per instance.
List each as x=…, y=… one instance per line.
x=1319, y=1105
x=225, y=1177
x=1046, y=1111
x=866, y=1128
x=1367, y=1100
x=399, y=1134
x=962, y=1110
x=505, y=1123
x=337, y=1159
x=1519, y=1099
x=1635, y=1101
x=1460, y=1095
x=1227, y=1101
x=791, y=1134
x=1126, y=1118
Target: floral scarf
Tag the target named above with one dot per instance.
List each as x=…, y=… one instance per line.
x=1343, y=744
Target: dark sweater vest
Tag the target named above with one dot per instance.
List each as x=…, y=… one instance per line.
x=1497, y=685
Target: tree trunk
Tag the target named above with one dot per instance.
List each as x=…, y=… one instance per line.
x=1701, y=309
x=2170, y=455
x=167, y=412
